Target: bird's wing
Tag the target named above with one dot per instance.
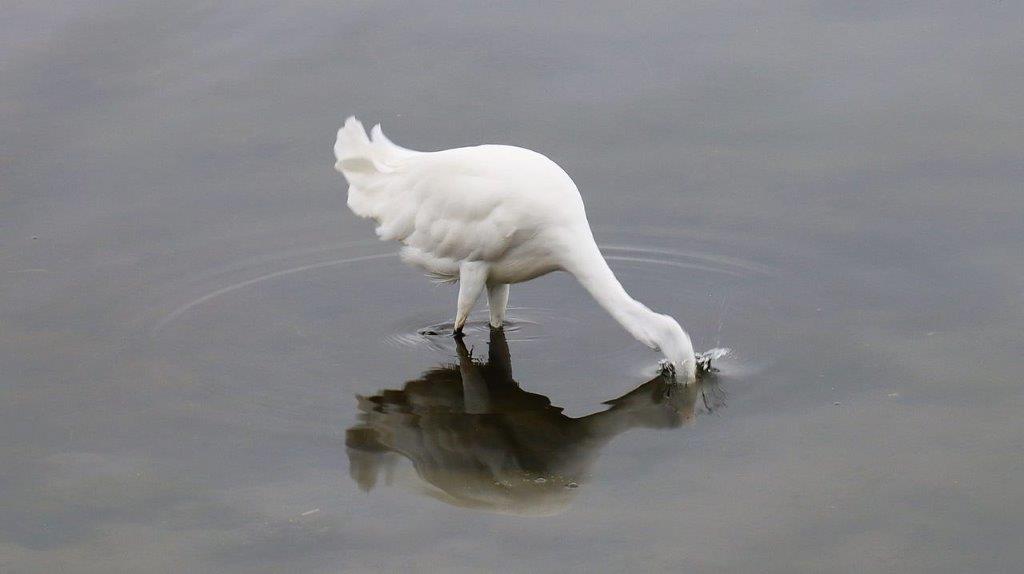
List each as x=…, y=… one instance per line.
x=457, y=205
x=458, y=216
x=439, y=204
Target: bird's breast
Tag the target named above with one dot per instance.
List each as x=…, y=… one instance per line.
x=522, y=263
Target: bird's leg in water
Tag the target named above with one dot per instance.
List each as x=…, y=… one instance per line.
x=472, y=279
x=497, y=301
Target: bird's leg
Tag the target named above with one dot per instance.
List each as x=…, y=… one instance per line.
x=472, y=278
x=497, y=301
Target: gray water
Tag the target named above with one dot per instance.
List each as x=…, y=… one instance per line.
x=210, y=365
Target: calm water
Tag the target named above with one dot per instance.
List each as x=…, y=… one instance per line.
x=210, y=365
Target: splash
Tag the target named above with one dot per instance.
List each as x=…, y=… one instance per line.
x=704, y=362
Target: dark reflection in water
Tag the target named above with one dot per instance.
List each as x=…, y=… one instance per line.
x=478, y=440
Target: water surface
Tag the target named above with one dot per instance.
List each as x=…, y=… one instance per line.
x=210, y=365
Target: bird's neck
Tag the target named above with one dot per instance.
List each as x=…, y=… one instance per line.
x=593, y=273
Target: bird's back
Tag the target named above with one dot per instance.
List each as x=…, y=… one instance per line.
x=464, y=204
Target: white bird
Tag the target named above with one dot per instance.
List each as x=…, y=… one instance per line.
x=489, y=216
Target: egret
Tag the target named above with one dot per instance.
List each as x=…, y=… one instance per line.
x=488, y=216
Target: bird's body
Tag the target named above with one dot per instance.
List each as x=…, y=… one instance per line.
x=489, y=216
x=484, y=203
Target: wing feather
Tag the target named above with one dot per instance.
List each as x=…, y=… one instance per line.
x=452, y=206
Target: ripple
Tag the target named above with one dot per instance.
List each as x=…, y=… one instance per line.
x=694, y=260
x=250, y=282
x=698, y=260
x=521, y=324
x=432, y=330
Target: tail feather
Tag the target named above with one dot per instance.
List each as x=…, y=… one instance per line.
x=353, y=149
x=379, y=139
x=357, y=152
x=373, y=165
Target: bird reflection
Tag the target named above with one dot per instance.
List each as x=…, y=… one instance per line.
x=477, y=440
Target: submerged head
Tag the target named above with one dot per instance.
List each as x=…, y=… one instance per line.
x=675, y=344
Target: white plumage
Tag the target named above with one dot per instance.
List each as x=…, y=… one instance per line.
x=488, y=216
